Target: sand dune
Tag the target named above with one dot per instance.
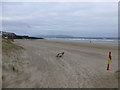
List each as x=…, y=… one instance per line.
x=82, y=66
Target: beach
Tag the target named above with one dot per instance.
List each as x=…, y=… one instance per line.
x=82, y=66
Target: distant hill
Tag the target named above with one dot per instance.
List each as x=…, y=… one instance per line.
x=55, y=36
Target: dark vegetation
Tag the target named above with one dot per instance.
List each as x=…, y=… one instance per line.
x=9, y=35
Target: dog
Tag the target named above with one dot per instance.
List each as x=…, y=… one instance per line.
x=60, y=54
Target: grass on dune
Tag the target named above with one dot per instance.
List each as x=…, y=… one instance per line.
x=8, y=46
x=10, y=49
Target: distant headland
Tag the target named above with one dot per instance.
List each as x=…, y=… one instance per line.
x=10, y=35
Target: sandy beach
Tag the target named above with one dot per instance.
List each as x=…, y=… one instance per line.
x=82, y=66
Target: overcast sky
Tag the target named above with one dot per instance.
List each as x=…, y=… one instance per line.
x=83, y=19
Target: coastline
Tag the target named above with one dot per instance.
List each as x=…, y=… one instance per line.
x=88, y=40
x=86, y=44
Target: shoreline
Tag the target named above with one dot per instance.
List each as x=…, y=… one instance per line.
x=87, y=40
x=85, y=44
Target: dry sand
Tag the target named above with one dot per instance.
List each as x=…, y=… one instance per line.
x=82, y=66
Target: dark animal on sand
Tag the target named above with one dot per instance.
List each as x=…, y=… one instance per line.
x=60, y=54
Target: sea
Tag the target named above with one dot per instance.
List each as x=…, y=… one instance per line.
x=88, y=40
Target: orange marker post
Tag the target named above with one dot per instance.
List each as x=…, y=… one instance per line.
x=109, y=60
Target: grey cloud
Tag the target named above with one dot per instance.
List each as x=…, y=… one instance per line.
x=61, y=18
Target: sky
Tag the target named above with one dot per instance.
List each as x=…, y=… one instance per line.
x=81, y=19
